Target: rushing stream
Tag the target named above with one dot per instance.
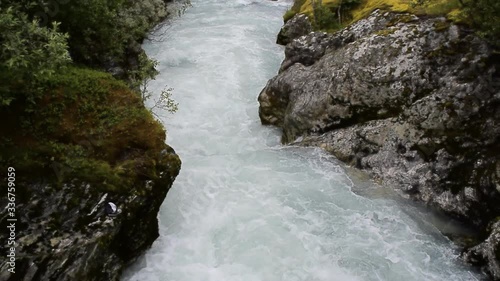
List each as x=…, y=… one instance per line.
x=246, y=208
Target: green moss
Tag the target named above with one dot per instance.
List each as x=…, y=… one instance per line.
x=385, y=32
x=89, y=127
x=289, y=15
x=401, y=19
x=441, y=26
x=449, y=8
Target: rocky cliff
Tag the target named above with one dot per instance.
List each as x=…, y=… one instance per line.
x=65, y=232
x=92, y=146
x=413, y=101
x=84, y=164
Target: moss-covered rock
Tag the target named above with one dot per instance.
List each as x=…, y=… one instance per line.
x=90, y=141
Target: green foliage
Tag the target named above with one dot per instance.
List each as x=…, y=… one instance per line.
x=333, y=15
x=89, y=126
x=91, y=25
x=163, y=102
x=29, y=48
x=324, y=18
x=102, y=32
x=28, y=52
x=68, y=122
x=484, y=15
x=145, y=72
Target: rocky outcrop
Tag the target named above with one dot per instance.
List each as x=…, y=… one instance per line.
x=413, y=101
x=297, y=26
x=65, y=233
x=64, y=228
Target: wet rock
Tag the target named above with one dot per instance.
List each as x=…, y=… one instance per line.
x=65, y=233
x=487, y=252
x=416, y=106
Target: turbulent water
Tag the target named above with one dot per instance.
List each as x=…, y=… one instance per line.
x=246, y=208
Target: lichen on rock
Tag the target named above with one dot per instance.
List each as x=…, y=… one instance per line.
x=413, y=101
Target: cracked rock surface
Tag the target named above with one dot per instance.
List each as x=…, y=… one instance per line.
x=415, y=102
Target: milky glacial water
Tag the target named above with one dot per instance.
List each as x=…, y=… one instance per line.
x=245, y=207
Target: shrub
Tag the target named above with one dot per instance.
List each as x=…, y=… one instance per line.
x=485, y=15
x=324, y=18
x=28, y=53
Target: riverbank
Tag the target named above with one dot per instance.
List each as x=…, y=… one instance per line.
x=90, y=162
x=411, y=100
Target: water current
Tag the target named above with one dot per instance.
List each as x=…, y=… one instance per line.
x=246, y=208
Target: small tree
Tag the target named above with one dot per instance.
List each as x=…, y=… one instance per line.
x=164, y=101
x=345, y=5
x=324, y=18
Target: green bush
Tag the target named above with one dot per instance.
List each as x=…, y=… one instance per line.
x=324, y=18
x=67, y=121
x=484, y=15
x=90, y=124
x=333, y=16
x=103, y=32
x=28, y=53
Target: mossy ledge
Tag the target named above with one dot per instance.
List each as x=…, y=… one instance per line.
x=91, y=141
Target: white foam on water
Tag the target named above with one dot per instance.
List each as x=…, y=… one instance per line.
x=246, y=208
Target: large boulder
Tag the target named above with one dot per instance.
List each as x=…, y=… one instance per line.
x=413, y=101
x=297, y=26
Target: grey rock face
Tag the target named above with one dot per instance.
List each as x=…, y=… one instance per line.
x=414, y=102
x=63, y=233
x=297, y=26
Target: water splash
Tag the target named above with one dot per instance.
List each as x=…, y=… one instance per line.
x=246, y=208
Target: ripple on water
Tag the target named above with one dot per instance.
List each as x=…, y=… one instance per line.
x=246, y=208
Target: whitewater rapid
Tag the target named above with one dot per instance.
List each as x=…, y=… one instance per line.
x=246, y=208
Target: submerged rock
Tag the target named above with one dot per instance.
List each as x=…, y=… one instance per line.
x=413, y=101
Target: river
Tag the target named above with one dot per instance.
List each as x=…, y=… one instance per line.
x=246, y=208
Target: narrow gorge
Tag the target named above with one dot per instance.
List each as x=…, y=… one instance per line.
x=250, y=140
x=245, y=207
